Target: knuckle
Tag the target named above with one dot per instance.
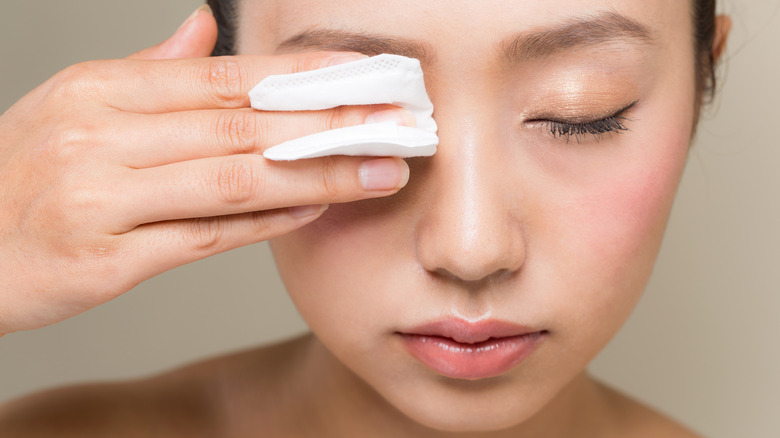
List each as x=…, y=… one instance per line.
x=67, y=222
x=237, y=181
x=305, y=63
x=225, y=79
x=342, y=116
x=98, y=257
x=261, y=225
x=309, y=61
x=79, y=199
x=237, y=132
x=69, y=141
x=78, y=81
x=97, y=263
x=204, y=234
x=75, y=207
x=72, y=73
x=328, y=178
x=335, y=118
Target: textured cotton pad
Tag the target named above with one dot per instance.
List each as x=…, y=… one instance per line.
x=383, y=79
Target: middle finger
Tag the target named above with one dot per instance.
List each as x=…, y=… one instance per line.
x=150, y=140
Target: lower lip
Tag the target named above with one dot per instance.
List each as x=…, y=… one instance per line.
x=472, y=361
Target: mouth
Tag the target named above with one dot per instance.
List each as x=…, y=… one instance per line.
x=460, y=349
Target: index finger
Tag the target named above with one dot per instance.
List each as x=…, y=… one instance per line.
x=153, y=87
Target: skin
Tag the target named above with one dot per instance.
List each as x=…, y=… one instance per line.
x=147, y=170
x=506, y=221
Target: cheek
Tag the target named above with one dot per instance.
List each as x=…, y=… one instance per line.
x=622, y=218
x=337, y=271
x=604, y=234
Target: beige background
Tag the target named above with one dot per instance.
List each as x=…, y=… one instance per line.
x=702, y=345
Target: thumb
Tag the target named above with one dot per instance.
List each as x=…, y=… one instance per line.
x=194, y=39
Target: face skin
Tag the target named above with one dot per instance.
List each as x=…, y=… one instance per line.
x=507, y=221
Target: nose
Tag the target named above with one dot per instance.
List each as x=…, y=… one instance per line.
x=470, y=229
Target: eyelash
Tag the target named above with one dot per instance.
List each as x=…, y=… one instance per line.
x=597, y=128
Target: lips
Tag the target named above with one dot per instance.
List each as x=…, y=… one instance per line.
x=464, y=350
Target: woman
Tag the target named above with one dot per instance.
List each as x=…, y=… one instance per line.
x=470, y=301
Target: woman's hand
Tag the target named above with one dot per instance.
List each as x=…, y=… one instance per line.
x=114, y=171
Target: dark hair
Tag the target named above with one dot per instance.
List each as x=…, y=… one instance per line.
x=225, y=11
x=703, y=12
x=704, y=32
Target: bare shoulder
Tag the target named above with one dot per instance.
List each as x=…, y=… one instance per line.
x=112, y=409
x=640, y=421
x=199, y=400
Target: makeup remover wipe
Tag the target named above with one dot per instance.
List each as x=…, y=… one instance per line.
x=382, y=79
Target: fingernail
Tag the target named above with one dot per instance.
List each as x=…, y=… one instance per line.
x=305, y=211
x=383, y=174
x=402, y=116
x=204, y=8
x=344, y=58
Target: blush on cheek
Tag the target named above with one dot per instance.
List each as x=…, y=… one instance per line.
x=609, y=235
x=628, y=212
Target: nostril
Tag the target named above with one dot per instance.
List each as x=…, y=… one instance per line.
x=474, y=279
x=492, y=252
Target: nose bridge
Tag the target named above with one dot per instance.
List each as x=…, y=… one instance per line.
x=470, y=230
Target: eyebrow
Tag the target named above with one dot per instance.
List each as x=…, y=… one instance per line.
x=601, y=29
x=371, y=45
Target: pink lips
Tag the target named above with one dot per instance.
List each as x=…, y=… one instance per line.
x=464, y=350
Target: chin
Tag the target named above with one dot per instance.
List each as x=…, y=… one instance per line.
x=444, y=419
x=467, y=406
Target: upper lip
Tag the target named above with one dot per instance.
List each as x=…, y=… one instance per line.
x=467, y=332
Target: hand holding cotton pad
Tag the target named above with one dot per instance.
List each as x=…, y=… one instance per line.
x=383, y=79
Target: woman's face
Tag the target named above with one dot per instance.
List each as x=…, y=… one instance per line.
x=564, y=130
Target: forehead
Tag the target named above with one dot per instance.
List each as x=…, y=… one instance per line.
x=452, y=26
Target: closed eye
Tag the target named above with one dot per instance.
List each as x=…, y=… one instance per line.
x=615, y=123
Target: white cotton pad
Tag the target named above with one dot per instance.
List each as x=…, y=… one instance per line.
x=383, y=79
